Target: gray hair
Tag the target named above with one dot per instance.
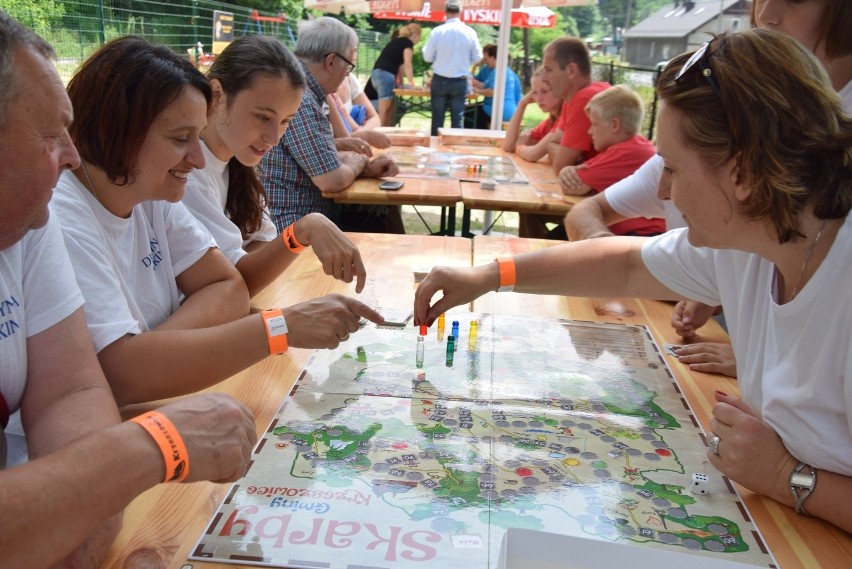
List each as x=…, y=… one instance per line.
x=318, y=38
x=14, y=36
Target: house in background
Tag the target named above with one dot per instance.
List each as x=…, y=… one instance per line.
x=682, y=25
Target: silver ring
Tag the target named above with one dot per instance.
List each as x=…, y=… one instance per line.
x=713, y=445
x=346, y=337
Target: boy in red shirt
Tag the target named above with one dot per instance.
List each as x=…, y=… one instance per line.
x=615, y=115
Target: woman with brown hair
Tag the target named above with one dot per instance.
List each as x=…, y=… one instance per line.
x=257, y=86
x=167, y=312
x=758, y=152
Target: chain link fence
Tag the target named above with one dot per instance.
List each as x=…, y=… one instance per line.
x=76, y=28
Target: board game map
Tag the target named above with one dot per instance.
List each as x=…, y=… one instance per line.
x=570, y=427
x=429, y=163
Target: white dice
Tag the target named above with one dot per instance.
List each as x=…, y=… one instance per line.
x=700, y=483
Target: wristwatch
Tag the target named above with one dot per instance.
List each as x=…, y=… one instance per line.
x=802, y=484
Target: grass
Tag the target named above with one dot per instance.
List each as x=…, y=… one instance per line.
x=499, y=223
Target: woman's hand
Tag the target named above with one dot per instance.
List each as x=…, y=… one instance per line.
x=340, y=257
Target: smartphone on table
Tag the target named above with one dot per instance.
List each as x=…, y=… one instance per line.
x=391, y=185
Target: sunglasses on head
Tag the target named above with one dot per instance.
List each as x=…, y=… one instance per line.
x=702, y=58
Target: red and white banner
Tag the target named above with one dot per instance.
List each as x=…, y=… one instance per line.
x=538, y=17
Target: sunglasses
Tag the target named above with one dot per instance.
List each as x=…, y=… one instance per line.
x=702, y=58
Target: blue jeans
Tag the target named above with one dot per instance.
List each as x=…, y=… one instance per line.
x=383, y=83
x=452, y=92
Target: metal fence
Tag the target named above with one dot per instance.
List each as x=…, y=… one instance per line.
x=641, y=79
x=76, y=28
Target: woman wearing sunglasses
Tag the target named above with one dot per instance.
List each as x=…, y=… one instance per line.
x=758, y=152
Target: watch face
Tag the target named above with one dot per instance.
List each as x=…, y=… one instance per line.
x=802, y=480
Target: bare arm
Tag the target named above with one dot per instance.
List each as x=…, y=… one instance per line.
x=591, y=218
x=514, y=130
x=339, y=256
x=537, y=151
x=335, y=117
x=373, y=119
x=571, y=182
x=565, y=157
x=166, y=363
x=352, y=164
x=598, y=268
x=215, y=293
x=407, y=67
x=85, y=465
x=752, y=454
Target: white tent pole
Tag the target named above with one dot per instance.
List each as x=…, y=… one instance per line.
x=502, y=63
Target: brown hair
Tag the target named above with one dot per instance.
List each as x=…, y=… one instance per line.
x=117, y=95
x=835, y=29
x=490, y=50
x=568, y=50
x=777, y=116
x=244, y=59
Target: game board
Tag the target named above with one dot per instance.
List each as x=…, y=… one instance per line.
x=429, y=163
x=570, y=427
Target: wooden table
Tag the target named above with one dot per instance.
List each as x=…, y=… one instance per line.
x=541, y=195
x=797, y=542
x=419, y=100
x=416, y=191
x=162, y=525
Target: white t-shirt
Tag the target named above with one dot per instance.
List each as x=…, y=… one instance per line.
x=206, y=195
x=126, y=268
x=355, y=89
x=37, y=291
x=794, y=361
x=636, y=195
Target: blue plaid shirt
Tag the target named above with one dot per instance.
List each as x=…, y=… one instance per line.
x=307, y=149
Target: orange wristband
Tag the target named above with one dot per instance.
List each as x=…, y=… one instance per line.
x=508, y=278
x=290, y=241
x=276, y=330
x=171, y=444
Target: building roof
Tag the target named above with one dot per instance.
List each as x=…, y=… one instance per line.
x=679, y=18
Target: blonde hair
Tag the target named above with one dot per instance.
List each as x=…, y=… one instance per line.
x=619, y=102
x=409, y=30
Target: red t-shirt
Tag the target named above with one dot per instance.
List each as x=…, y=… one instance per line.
x=544, y=128
x=574, y=122
x=613, y=165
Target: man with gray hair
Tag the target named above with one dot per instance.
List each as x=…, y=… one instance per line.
x=85, y=464
x=451, y=49
x=306, y=162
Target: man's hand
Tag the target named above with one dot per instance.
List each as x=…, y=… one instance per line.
x=219, y=434
x=381, y=166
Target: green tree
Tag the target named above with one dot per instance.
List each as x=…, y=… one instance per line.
x=39, y=15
